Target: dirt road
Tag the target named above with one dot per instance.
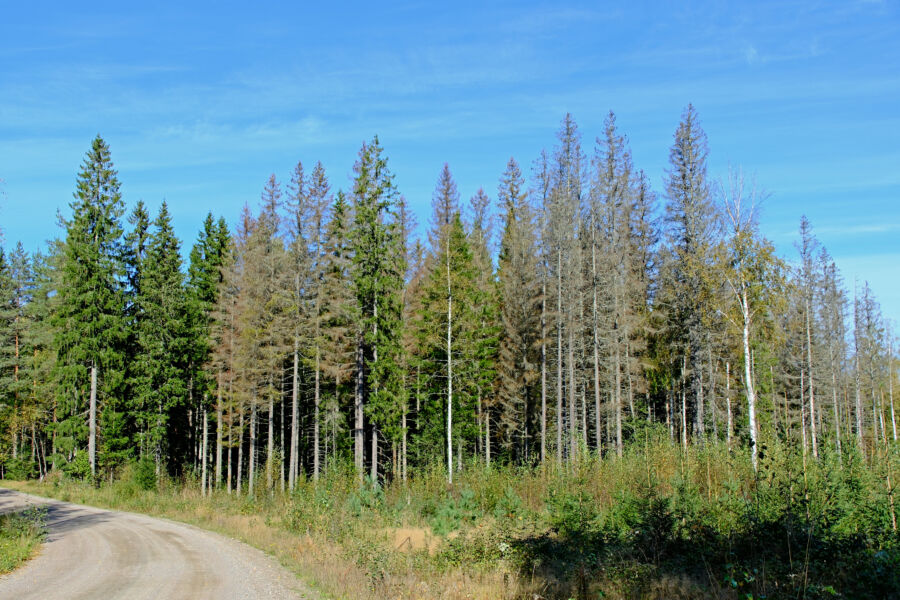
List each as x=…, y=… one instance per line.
x=100, y=554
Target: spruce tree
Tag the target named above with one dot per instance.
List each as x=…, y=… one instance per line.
x=378, y=280
x=689, y=216
x=90, y=321
x=165, y=342
x=520, y=313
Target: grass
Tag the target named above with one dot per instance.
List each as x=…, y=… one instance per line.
x=657, y=523
x=21, y=535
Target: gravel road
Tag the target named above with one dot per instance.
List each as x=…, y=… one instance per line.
x=92, y=553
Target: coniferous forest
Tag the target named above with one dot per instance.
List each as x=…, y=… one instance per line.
x=607, y=388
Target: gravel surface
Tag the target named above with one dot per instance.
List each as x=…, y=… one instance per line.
x=93, y=553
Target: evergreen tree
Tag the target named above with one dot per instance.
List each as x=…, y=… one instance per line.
x=90, y=322
x=690, y=220
x=378, y=280
x=520, y=314
x=205, y=276
x=165, y=341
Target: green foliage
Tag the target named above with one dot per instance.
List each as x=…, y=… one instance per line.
x=144, y=473
x=455, y=512
x=79, y=467
x=20, y=468
x=20, y=533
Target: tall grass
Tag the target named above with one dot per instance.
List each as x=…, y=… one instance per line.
x=21, y=534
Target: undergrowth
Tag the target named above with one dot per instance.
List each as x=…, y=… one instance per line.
x=20, y=535
x=656, y=523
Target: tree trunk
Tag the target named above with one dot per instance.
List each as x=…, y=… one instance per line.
x=270, y=442
x=218, y=479
x=617, y=392
x=573, y=425
x=748, y=380
x=859, y=409
x=230, y=450
x=449, y=374
x=403, y=443
x=543, y=370
x=295, y=416
x=374, y=471
x=595, y=326
x=358, y=409
x=812, y=393
x=204, y=450
x=251, y=471
x=729, y=425
x=240, y=454
x=559, y=360
x=684, y=436
x=92, y=423
x=316, y=466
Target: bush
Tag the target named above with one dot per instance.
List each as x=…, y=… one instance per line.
x=144, y=474
x=20, y=469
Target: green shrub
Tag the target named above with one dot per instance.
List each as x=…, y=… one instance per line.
x=144, y=473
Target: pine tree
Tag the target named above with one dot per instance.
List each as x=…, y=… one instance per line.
x=89, y=322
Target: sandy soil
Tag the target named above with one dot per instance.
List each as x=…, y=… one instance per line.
x=93, y=553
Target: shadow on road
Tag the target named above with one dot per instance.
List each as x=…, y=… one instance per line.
x=60, y=518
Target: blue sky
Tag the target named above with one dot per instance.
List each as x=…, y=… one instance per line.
x=201, y=103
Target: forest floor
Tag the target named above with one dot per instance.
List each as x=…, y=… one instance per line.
x=95, y=553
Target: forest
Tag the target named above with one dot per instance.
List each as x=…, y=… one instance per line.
x=578, y=330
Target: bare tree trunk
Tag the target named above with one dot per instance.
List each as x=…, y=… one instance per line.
x=543, y=371
x=713, y=369
x=270, y=443
x=295, y=416
x=449, y=373
x=92, y=423
x=374, y=466
x=803, y=414
x=812, y=393
x=204, y=450
x=403, y=442
x=891, y=382
x=316, y=418
x=283, y=457
x=240, y=457
x=684, y=436
x=595, y=326
x=573, y=435
x=230, y=451
x=859, y=425
x=748, y=380
x=836, y=403
x=628, y=378
x=487, y=439
x=218, y=479
x=358, y=404
x=559, y=359
x=729, y=425
x=251, y=471
x=617, y=392
x=670, y=422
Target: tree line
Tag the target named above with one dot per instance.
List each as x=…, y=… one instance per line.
x=551, y=324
